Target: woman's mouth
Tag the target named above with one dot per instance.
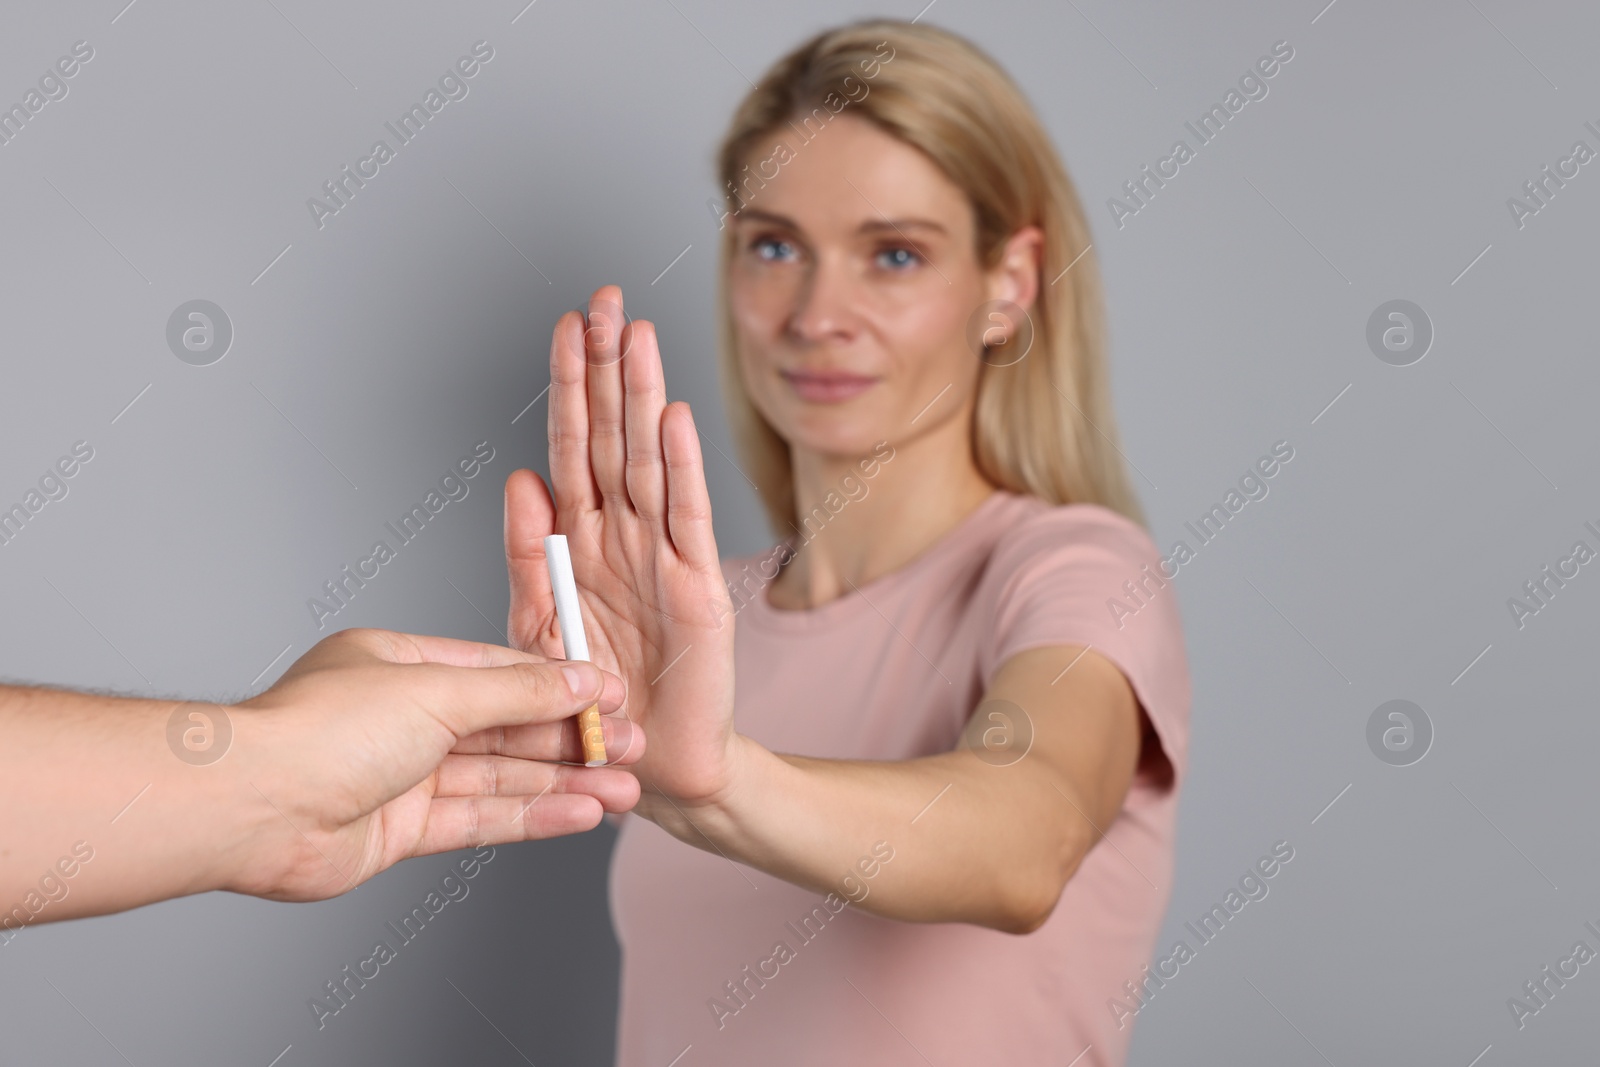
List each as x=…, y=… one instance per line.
x=826, y=387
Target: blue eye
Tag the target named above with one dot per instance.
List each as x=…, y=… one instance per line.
x=898, y=258
x=772, y=249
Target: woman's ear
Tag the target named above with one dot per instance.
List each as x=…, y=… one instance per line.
x=1016, y=276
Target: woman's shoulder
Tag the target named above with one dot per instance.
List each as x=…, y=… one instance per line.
x=1084, y=574
x=1083, y=568
x=1030, y=526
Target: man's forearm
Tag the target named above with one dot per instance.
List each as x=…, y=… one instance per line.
x=102, y=814
x=373, y=747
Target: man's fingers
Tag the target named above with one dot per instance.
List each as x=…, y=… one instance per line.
x=468, y=822
x=576, y=802
x=469, y=699
x=556, y=741
x=530, y=516
x=396, y=647
x=500, y=776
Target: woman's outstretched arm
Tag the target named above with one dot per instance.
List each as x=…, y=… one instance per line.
x=974, y=836
x=972, y=841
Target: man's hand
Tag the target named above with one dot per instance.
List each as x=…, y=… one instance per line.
x=373, y=747
x=376, y=747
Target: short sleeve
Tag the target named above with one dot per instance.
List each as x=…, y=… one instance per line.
x=1082, y=574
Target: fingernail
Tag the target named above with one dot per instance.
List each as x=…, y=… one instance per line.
x=581, y=682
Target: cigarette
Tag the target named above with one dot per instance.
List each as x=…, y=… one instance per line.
x=565, y=589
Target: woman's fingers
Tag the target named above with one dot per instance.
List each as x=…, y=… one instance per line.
x=569, y=418
x=646, y=398
x=530, y=515
x=603, y=345
x=556, y=741
x=688, y=502
x=607, y=394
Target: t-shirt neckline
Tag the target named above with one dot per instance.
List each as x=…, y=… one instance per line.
x=859, y=599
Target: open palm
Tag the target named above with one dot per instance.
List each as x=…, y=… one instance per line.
x=630, y=495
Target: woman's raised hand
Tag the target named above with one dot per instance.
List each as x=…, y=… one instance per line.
x=630, y=495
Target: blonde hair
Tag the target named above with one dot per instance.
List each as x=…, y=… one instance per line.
x=1043, y=425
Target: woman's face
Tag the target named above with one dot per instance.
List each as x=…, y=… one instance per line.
x=853, y=279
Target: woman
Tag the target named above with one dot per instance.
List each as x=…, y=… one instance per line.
x=962, y=668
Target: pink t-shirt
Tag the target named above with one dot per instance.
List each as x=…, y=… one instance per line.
x=740, y=968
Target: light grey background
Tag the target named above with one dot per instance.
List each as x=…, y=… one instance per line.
x=379, y=349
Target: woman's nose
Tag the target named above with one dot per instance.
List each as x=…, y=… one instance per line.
x=825, y=302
